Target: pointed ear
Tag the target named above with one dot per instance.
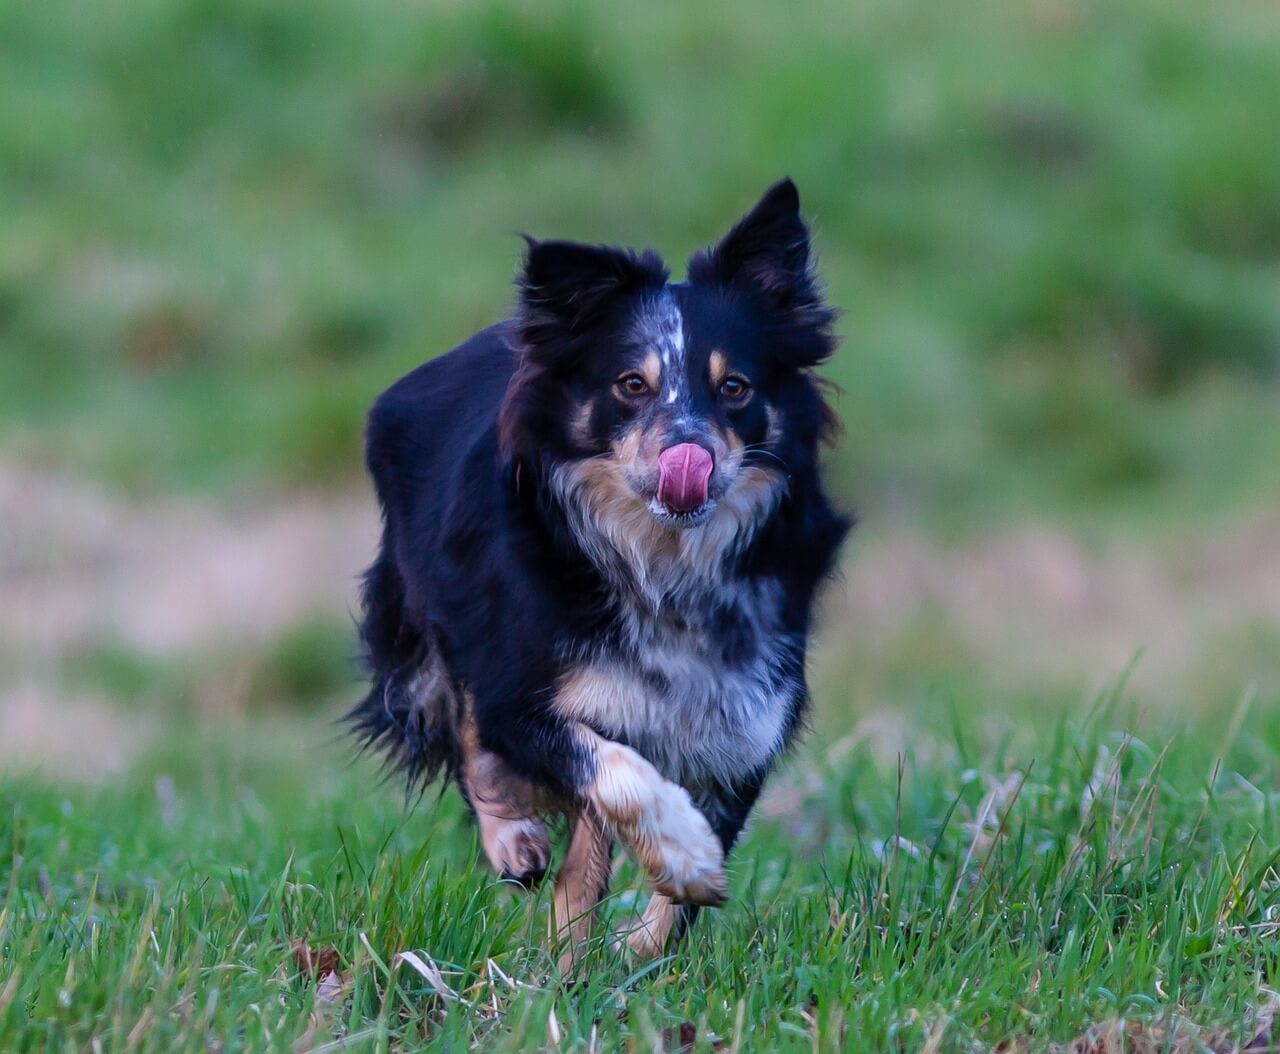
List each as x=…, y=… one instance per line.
x=766, y=256
x=767, y=250
x=566, y=288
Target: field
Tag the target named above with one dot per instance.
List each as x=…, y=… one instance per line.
x=1034, y=888
x=1037, y=808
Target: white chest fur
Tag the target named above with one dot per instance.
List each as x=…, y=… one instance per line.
x=705, y=693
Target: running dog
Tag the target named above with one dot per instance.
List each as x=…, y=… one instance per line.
x=604, y=527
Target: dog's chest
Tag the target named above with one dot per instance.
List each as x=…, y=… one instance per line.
x=706, y=688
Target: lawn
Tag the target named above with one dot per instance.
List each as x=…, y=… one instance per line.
x=1092, y=878
x=1053, y=229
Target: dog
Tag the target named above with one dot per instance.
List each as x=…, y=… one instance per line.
x=604, y=528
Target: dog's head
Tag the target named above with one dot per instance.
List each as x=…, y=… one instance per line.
x=661, y=402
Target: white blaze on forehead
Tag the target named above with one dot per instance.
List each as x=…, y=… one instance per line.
x=662, y=329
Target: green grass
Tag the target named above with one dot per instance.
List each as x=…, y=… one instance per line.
x=1054, y=230
x=993, y=887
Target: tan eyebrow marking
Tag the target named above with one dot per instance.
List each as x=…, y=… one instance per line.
x=718, y=365
x=651, y=370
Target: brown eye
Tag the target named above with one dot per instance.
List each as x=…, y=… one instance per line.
x=734, y=389
x=632, y=385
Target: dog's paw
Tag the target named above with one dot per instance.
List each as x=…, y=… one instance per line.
x=672, y=840
x=518, y=848
x=687, y=863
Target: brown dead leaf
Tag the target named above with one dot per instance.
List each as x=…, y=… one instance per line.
x=324, y=966
x=315, y=963
x=685, y=1035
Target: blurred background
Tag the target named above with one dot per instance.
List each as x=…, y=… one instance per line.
x=225, y=225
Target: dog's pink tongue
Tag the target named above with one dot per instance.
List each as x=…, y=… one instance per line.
x=683, y=473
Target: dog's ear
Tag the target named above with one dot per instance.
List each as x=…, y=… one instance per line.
x=766, y=251
x=567, y=288
x=767, y=257
x=568, y=293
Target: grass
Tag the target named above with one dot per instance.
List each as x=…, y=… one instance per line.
x=990, y=888
x=1054, y=231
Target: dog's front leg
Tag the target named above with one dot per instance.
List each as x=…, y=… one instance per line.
x=658, y=820
x=665, y=922
x=581, y=884
x=670, y=837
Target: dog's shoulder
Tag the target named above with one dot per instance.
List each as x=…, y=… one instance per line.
x=463, y=547
x=438, y=409
x=430, y=445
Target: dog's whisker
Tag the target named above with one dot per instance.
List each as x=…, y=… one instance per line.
x=760, y=449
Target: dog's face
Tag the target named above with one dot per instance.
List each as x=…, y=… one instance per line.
x=673, y=400
x=673, y=404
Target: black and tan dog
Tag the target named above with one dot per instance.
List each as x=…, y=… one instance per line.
x=604, y=528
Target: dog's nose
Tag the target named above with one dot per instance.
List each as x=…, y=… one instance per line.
x=684, y=471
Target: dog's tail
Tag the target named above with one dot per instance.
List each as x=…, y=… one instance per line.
x=410, y=713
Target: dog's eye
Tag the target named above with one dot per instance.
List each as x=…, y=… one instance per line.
x=734, y=389
x=632, y=385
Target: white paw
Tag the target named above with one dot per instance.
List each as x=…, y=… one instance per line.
x=692, y=862
x=657, y=818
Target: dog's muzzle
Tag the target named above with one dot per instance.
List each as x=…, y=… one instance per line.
x=684, y=472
